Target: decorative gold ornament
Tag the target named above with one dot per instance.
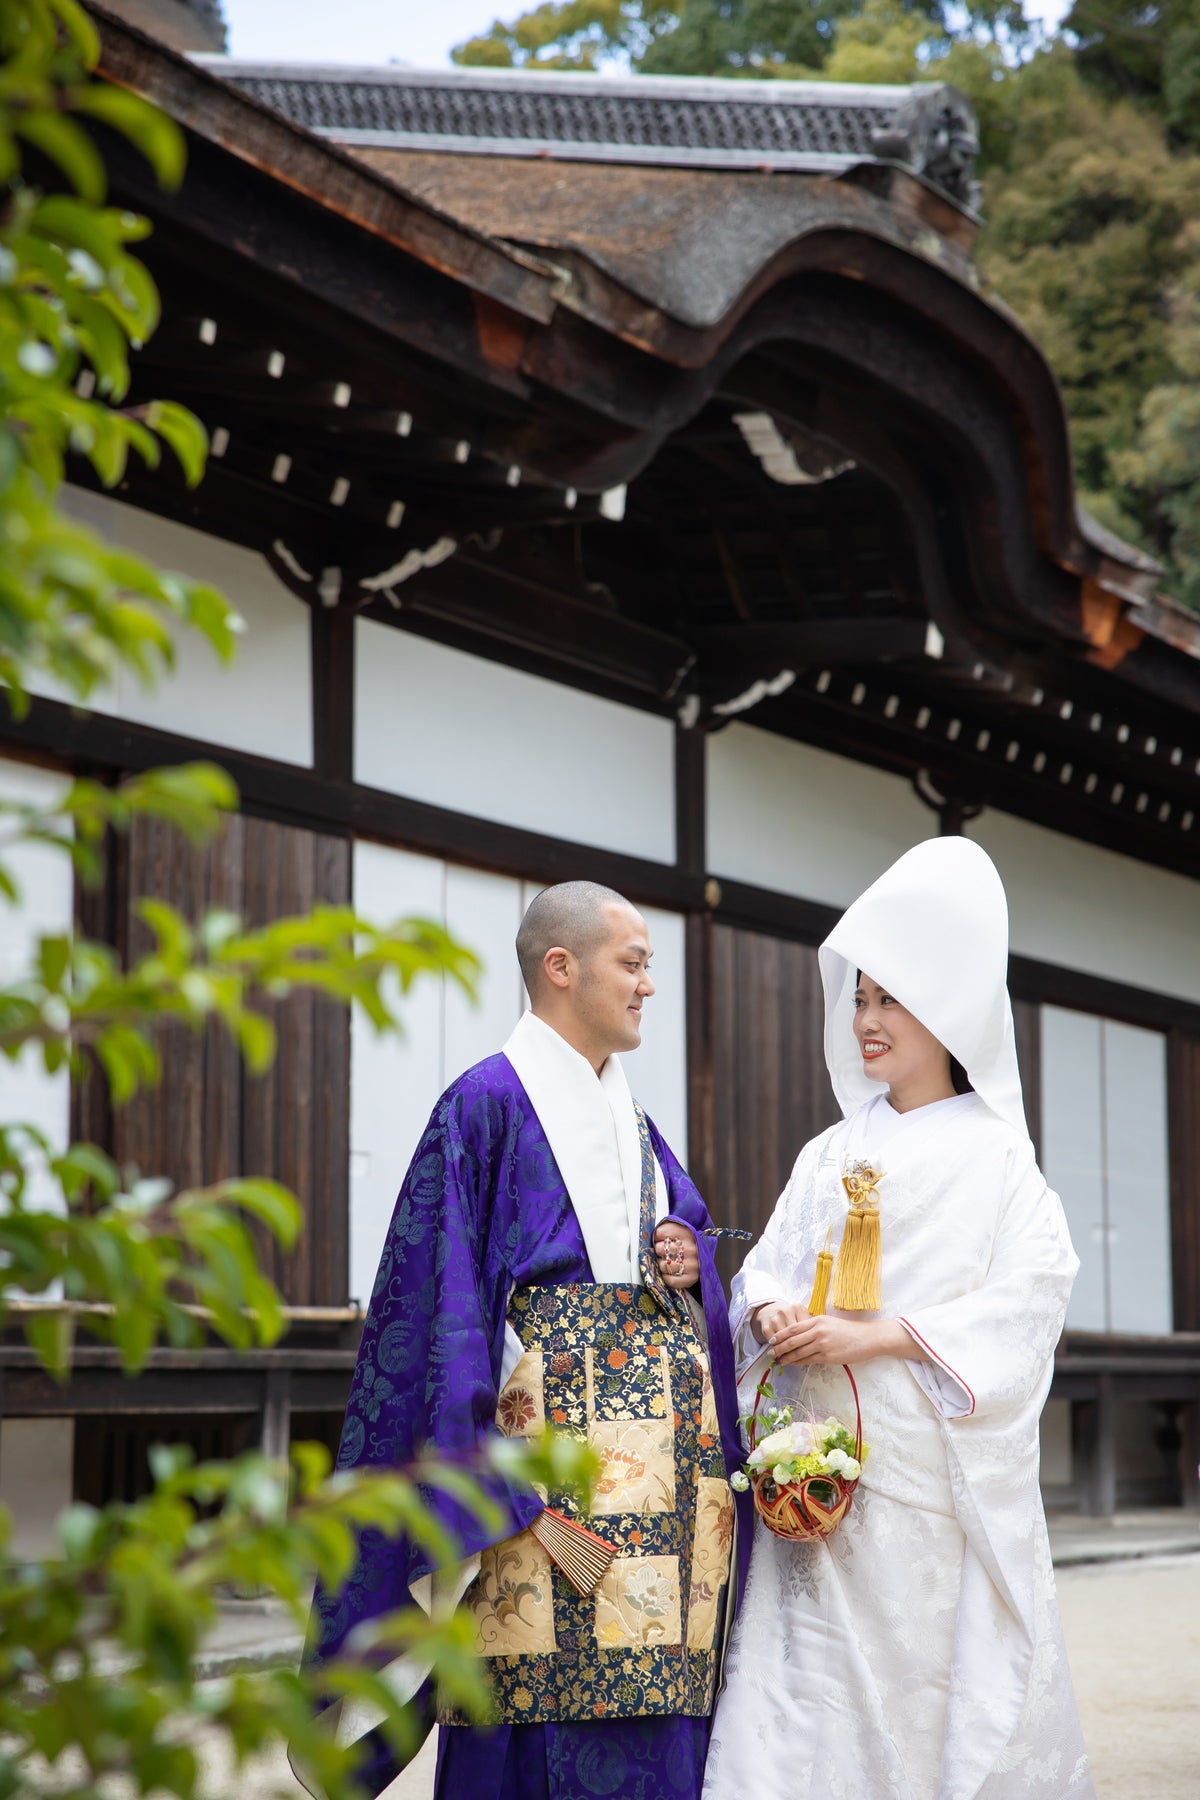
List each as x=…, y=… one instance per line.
x=856, y=1285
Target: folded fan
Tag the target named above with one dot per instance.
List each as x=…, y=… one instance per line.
x=583, y=1557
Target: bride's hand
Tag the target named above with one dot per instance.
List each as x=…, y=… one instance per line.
x=826, y=1338
x=775, y=1317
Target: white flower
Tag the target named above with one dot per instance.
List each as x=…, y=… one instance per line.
x=782, y=1474
x=853, y=1468
x=755, y=1459
x=777, y=1444
x=739, y=1481
x=836, y=1461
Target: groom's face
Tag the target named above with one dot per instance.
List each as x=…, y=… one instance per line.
x=614, y=982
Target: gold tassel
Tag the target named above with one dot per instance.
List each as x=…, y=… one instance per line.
x=856, y=1285
x=819, y=1297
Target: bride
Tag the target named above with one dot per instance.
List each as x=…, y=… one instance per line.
x=917, y=1653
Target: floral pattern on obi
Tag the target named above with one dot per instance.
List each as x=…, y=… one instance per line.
x=510, y=1600
x=521, y=1411
x=638, y=1602
x=637, y=1465
x=711, y=1549
x=608, y=1362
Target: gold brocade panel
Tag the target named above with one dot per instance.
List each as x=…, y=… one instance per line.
x=606, y=1361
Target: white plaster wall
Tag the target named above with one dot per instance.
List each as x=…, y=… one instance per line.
x=262, y=701
x=782, y=815
x=45, y=908
x=36, y=1476
x=657, y=1072
x=458, y=731
x=394, y=1085
x=1085, y=908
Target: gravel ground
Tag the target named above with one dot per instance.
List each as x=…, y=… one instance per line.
x=1133, y=1633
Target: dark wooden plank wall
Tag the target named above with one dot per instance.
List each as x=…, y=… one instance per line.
x=770, y=1090
x=1183, y=1114
x=208, y=1119
x=758, y=1086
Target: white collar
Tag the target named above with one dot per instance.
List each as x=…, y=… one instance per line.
x=592, y=1129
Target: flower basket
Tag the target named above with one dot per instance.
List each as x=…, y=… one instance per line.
x=811, y=1507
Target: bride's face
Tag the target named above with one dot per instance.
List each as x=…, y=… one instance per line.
x=897, y=1050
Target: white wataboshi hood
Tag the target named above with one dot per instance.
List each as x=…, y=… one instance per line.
x=933, y=931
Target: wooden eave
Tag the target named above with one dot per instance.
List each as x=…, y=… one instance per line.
x=405, y=354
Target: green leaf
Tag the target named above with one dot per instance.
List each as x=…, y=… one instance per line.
x=184, y=433
x=104, y=344
x=78, y=1528
x=256, y=1041
x=51, y=1334
x=80, y=33
x=68, y=145
x=157, y=137
x=271, y=1203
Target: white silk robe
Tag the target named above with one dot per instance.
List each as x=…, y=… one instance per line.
x=917, y=1654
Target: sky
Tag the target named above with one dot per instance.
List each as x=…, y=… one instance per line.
x=419, y=32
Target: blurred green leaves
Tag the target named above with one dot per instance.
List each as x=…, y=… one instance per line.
x=101, y=1687
x=73, y=299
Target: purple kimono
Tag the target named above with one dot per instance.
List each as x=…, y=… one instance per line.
x=483, y=1208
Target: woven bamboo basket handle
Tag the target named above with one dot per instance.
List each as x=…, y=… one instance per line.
x=766, y=1376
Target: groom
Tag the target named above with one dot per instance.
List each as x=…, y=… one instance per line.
x=549, y=1260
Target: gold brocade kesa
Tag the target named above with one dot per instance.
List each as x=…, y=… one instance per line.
x=856, y=1276
x=607, y=1362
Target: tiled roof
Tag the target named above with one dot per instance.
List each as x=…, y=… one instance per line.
x=816, y=126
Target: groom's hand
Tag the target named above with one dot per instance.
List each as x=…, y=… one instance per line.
x=678, y=1258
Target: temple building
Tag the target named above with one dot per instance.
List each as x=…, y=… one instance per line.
x=629, y=479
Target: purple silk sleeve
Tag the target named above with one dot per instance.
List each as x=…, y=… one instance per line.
x=482, y=1208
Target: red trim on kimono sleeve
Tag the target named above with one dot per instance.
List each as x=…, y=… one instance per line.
x=941, y=1362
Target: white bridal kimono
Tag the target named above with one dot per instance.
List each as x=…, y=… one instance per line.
x=917, y=1653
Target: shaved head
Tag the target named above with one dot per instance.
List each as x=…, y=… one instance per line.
x=573, y=916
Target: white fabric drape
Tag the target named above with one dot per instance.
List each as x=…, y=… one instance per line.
x=932, y=931
x=917, y=1654
x=591, y=1127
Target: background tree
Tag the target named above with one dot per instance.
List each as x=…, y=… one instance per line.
x=98, y=1645
x=1090, y=163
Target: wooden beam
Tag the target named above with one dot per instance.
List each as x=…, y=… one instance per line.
x=691, y=761
x=759, y=648
x=299, y=796
x=485, y=603
x=333, y=692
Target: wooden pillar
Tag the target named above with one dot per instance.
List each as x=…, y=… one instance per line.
x=1189, y=1453
x=690, y=857
x=1183, y=1115
x=276, y=1413
x=691, y=849
x=1096, y=1450
x=333, y=691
